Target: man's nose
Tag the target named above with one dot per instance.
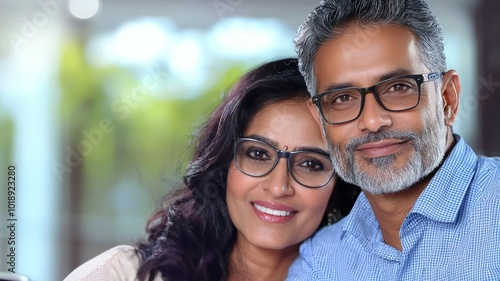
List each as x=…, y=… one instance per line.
x=373, y=116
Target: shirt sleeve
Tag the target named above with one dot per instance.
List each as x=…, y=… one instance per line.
x=117, y=264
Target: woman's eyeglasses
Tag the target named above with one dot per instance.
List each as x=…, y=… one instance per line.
x=256, y=158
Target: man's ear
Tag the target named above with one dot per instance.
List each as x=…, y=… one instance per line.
x=450, y=93
x=314, y=111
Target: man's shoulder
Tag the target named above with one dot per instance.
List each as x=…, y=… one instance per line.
x=485, y=169
x=488, y=172
x=328, y=235
x=329, y=254
x=489, y=162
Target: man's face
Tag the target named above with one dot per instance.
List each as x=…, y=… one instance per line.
x=381, y=151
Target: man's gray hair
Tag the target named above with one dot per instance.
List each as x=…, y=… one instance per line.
x=331, y=17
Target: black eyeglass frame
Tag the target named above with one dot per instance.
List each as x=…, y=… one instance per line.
x=281, y=154
x=419, y=79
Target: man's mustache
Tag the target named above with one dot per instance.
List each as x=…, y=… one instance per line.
x=381, y=135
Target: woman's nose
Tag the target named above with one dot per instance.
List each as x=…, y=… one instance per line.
x=278, y=181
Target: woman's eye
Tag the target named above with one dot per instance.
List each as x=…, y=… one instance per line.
x=312, y=165
x=257, y=154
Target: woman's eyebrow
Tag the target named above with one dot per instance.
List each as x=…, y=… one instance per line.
x=313, y=149
x=275, y=144
x=263, y=139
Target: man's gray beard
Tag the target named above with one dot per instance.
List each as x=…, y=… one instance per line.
x=384, y=177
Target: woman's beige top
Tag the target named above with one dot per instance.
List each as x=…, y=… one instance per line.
x=118, y=263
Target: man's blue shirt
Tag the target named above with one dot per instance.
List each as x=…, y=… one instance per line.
x=451, y=233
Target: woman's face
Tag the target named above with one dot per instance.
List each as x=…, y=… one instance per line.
x=274, y=211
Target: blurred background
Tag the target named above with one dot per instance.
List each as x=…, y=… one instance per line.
x=99, y=100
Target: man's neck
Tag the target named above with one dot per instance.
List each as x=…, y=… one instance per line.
x=392, y=209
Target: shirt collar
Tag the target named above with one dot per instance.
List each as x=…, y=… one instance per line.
x=361, y=221
x=442, y=198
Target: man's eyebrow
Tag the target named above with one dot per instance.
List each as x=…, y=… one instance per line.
x=334, y=86
x=395, y=73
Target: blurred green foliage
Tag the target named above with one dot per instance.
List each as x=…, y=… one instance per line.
x=127, y=132
x=6, y=157
x=6, y=139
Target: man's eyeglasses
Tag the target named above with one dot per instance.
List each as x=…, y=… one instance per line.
x=395, y=94
x=257, y=159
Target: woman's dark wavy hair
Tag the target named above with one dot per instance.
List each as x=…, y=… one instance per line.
x=190, y=235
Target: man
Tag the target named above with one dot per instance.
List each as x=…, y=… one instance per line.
x=430, y=207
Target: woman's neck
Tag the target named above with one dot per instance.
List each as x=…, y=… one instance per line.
x=248, y=262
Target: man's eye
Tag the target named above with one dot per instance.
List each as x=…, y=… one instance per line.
x=342, y=98
x=399, y=88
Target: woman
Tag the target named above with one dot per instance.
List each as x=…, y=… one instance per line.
x=260, y=183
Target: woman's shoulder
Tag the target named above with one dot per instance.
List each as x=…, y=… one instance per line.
x=118, y=263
